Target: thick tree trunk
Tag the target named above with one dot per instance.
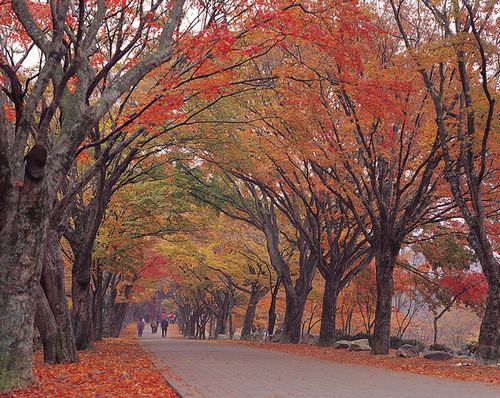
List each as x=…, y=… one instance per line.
x=489, y=335
x=23, y=229
x=47, y=326
x=62, y=346
x=250, y=314
x=293, y=318
x=327, y=329
x=385, y=262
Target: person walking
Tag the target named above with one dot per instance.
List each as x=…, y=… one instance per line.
x=154, y=326
x=164, y=327
x=140, y=327
x=171, y=317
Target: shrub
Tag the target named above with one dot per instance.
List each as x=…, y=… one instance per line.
x=440, y=347
x=397, y=342
x=471, y=346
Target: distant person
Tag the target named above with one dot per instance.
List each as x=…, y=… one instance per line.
x=163, y=316
x=171, y=317
x=140, y=327
x=154, y=326
x=164, y=327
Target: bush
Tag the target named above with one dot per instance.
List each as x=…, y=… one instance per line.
x=397, y=342
x=440, y=347
x=471, y=347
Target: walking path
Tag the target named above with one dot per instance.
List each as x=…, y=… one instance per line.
x=205, y=369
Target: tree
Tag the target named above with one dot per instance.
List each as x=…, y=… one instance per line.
x=461, y=81
x=33, y=158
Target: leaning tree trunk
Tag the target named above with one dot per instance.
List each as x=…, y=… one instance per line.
x=62, y=346
x=246, y=331
x=327, y=329
x=385, y=262
x=23, y=228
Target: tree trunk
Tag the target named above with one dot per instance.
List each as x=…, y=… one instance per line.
x=385, y=262
x=293, y=318
x=47, y=326
x=23, y=229
x=272, y=308
x=119, y=312
x=327, y=329
x=250, y=314
x=489, y=335
x=52, y=282
x=81, y=294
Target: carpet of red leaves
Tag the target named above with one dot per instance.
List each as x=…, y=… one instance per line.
x=113, y=368
x=445, y=369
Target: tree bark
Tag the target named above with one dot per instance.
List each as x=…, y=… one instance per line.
x=250, y=313
x=489, y=334
x=23, y=231
x=62, y=346
x=293, y=318
x=385, y=262
x=83, y=326
x=272, y=308
x=327, y=329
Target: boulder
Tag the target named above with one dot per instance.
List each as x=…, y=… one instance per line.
x=359, y=345
x=437, y=355
x=222, y=337
x=342, y=344
x=407, y=351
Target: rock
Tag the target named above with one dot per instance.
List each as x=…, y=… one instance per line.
x=342, y=344
x=437, y=355
x=359, y=345
x=310, y=339
x=222, y=337
x=275, y=338
x=407, y=351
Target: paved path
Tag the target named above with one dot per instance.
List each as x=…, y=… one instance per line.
x=217, y=370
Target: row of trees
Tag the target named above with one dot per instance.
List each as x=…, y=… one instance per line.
x=334, y=133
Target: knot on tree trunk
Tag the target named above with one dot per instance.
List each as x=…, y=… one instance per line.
x=35, y=162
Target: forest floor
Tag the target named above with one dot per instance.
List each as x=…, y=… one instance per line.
x=113, y=368
x=456, y=368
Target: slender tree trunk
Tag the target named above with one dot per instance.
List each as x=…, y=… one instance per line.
x=62, y=346
x=385, y=262
x=272, y=308
x=327, y=329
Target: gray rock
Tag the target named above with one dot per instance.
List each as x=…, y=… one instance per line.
x=310, y=339
x=407, y=351
x=342, y=344
x=275, y=338
x=222, y=337
x=438, y=355
x=359, y=345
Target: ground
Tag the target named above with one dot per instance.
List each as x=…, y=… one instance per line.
x=207, y=369
x=132, y=367
x=113, y=368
